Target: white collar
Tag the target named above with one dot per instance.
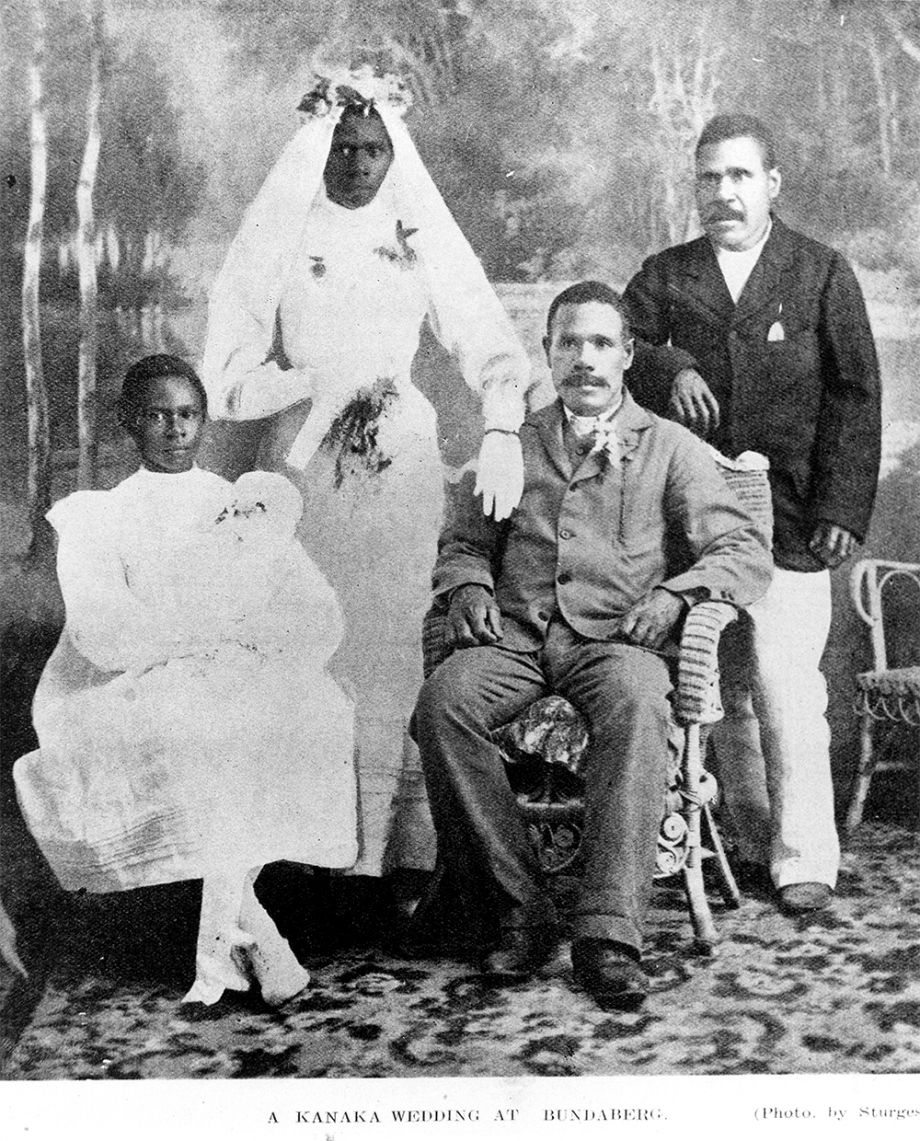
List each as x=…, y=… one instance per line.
x=585, y=425
x=167, y=479
x=738, y=265
x=749, y=255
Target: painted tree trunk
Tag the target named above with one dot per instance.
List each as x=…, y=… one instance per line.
x=38, y=478
x=882, y=102
x=87, y=436
x=685, y=80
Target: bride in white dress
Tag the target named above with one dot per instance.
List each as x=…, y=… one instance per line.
x=313, y=324
x=187, y=725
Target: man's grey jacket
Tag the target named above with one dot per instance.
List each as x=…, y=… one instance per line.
x=587, y=542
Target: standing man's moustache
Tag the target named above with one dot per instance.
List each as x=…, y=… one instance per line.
x=724, y=216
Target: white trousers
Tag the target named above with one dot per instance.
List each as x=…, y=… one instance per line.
x=773, y=747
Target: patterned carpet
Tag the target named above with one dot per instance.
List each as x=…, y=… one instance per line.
x=836, y=993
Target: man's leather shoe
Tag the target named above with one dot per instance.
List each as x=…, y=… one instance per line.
x=796, y=898
x=610, y=972
x=521, y=952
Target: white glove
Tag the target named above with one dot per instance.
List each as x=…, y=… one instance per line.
x=500, y=474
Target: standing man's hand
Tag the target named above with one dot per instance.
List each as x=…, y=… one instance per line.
x=692, y=402
x=651, y=620
x=831, y=544
x=473, y=617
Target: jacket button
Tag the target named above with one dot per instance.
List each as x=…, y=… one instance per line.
x=565, y=533
x=543, y=615
x=563, y=578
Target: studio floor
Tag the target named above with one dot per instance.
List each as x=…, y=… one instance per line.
x=837, y=992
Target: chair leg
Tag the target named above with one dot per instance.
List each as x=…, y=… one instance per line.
x=864, y=775
x=704, y=930
x=727, y=885
x=700, y=916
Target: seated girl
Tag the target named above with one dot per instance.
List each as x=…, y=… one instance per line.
x=187, y=725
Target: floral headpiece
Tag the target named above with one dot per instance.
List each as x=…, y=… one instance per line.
x=357, y=90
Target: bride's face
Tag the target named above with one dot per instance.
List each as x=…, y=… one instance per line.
x=167, y=424
x=359, y=158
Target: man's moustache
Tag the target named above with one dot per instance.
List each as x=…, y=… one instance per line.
x=576, y=381
x=724, y=216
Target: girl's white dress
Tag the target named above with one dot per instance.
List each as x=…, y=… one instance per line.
x=188, y=727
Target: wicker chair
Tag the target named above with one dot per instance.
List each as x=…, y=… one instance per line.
x=883, y=694
x=544, y=747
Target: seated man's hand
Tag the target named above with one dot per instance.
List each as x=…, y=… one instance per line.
x=692, y=402
x=652, y=619
x=473, y=618
x=832, y=544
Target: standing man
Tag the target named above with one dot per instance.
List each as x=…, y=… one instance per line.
x=757, y=338
x=576, y=593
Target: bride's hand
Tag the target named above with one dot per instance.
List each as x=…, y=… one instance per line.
x=500, y=474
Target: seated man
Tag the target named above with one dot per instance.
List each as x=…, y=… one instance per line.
x=624, y=522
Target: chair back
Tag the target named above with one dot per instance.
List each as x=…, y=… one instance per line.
x=868, y=580
x=749, y=478
x=435, y=645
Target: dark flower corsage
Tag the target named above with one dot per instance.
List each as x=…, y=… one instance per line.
x=402, y=254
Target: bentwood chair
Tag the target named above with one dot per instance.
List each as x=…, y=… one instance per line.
x=884, y=693
x=544, y=748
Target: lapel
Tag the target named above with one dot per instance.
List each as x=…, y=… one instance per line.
x=629, y=424
x=549, y=421
x=762, y=287
x=699, y=284
x=592, y=465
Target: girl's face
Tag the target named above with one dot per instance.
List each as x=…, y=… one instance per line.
x=167, y=425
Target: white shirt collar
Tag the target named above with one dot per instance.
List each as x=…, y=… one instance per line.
x=738, y=265
x=585, y=425
x=149, y=473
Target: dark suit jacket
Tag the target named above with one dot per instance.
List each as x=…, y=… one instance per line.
x=587, y=543
x=810, y=402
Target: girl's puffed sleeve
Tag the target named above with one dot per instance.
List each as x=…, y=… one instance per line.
x=107, y=623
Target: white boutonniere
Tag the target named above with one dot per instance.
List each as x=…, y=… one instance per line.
x=606, y=443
